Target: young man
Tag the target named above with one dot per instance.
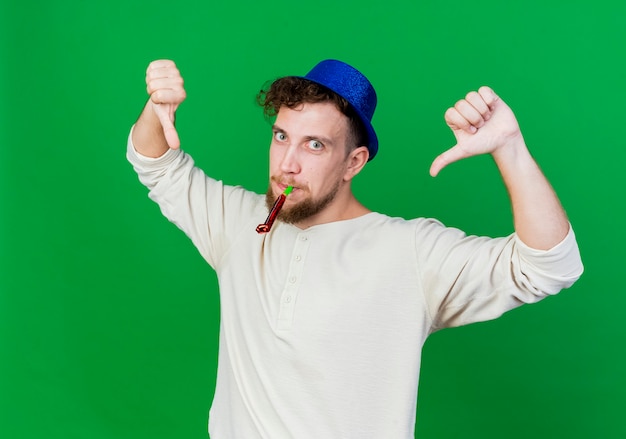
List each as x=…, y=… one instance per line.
x=324, y=317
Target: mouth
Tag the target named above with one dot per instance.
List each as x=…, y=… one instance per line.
x=281, y=186
x=290, y=198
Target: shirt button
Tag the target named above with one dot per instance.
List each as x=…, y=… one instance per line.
x=293, y=280
x=287, y=299
x=303, y=238
x=298, y=258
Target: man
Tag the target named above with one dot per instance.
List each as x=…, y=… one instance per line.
x=324, y=317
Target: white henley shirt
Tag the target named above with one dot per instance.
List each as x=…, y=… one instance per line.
x=322, y=329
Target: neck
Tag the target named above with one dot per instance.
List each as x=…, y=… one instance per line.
x=345, y=206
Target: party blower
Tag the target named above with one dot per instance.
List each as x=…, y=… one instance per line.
x=278, y=204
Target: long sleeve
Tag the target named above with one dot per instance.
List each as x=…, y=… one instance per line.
x=470, y=279
x=210, y=213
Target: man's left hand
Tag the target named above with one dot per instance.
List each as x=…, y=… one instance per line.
x=482, y=124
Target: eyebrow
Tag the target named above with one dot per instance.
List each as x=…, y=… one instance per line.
x=323, y=139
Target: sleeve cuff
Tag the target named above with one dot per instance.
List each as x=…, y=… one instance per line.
x=564, y=255
x=137, y=158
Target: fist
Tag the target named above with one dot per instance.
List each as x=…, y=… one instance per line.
x=482, y=124
x=165, y=86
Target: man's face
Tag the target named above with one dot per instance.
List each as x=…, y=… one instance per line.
x=308, y=151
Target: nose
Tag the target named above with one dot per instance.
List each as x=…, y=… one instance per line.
x=289, y=163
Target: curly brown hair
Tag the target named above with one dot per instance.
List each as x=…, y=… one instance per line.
x=291, y=91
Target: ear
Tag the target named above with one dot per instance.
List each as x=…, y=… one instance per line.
x=355, y=162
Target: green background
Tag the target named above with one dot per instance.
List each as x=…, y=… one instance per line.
x=108, y=315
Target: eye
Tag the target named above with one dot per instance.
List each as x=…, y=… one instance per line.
x=315, y=145
x=280, y=136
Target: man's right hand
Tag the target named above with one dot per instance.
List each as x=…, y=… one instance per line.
x=165, y=87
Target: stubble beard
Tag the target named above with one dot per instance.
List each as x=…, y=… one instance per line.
x=302, y=210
